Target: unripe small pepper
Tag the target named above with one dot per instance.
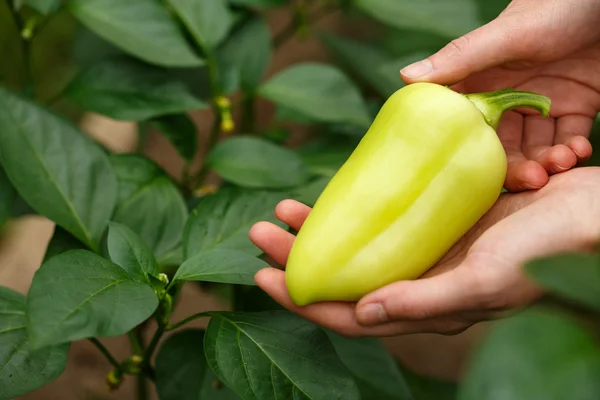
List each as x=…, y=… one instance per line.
x=429, y=167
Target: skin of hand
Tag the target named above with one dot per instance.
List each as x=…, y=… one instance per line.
x=551, y=47
x=480, y=278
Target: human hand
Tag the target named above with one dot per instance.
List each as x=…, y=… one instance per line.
x=551, y=47
x=480, y=276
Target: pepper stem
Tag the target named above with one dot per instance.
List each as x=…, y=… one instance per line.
x=494, y=104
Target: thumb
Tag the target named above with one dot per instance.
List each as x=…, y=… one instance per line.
x=488, y=46
x=450, y=292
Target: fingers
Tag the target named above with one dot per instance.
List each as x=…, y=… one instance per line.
x=422, y=299
x=522, y=174
x=292, y=213
x=340, y=316
x=272, y=240
x=574, y=131
x=275, y=241
x=488, y=46
x=538, y=135
x=581, y=147
x=557, y=159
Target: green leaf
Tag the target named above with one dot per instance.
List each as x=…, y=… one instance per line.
x=58, y=171
x=133, y=171
x=256, y=163
x=208, y=21
x=248, y=51
x=61, y=242
x=325, y=157
x=319, y=91
x=150, y=204
x=44, y=6
x=140, y=27
x=128, y=251
x=89, y=49
x=260, y=3
x=403, y=42
x=79, y=294
x=426, y=388
x=182, y=372
x=275, y=355
x=357, y=55
x=575, y=277
x=446, y=18
x=7, y=197
x=21, y=369
x=222, y=266
x=538, y=354
x=222, y=220
x=129, y=90
x=308, y=193
x=390, y=70
x=374, y=369
x=489, y=10
x=181, y=132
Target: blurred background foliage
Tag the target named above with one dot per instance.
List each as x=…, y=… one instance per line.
x=543, y=353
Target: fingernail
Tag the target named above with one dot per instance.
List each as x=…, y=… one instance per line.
x=418, y=69
x=371, y=314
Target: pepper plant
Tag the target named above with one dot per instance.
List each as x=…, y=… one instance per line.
x=129, y=235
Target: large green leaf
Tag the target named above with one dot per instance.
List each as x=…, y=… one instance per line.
x=128, y=251
x=142, y=28
x=208, y=21
x=222, y=266
x=44, y=6
x=575, y=277
x=276, y=355
x=309, y=192
x=256, y=163
x=61, y=242
x=7, y=197
x=222, y=220
x=489, y=10
x=21, y=369
x=57, y=170
x=127, y=89
x=78, y=294
x=537, y=355
x=390, y=70
x=402, y=42
x=260, y=3
x=319, y=91
x=182, y=372
x=373, y=367
x=325, y=156
x=247, y=51
x=428, y=388
x=357, y=56
x=150, y=204
x=181, y=132
x=447, y=18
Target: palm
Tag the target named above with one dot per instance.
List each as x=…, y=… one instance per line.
x=480, y=274
x=537, y=147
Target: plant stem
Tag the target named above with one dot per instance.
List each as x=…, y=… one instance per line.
x=153, y=344
x=176, y=325
x=290, y=30
x=25, y=49
x=248, y=124
x=106, y=353
x=142, y=388
x=216, y=91
x=494, y=104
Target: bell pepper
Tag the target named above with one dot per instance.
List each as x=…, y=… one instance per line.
x=428, y=168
